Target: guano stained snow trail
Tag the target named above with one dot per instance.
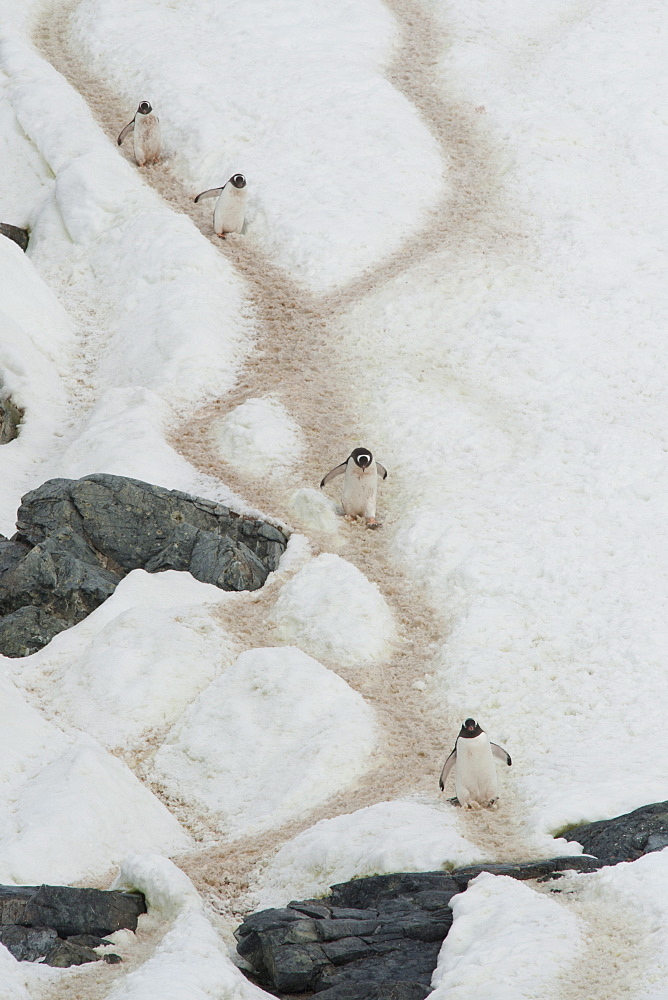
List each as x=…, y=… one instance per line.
x=295, y=361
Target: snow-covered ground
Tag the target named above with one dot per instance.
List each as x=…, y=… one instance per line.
x=466, y=208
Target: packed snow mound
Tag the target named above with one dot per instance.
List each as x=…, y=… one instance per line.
x=327, y=195
x=507, y=942
x=332, y=611
x=315, y=510
x=72, y=810
x=387, y=837
x=136, y=662
x=273, y=737
x=259, y=437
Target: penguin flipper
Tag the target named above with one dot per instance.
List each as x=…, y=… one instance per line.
x=338, y=471
x=382, y=470
x=128, y=128
x=447, y=767
x=211, y=193
x=501, y=753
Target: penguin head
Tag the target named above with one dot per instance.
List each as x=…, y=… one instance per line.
x=470, y=729
x=362, y=457
x=144, y=108
x=238, y=181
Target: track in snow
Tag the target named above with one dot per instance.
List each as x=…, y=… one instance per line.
x=295, y=360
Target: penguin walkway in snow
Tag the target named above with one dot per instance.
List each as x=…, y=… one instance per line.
x=230, y=209
x=145, y=128
x=475, y=773
x=360, y=485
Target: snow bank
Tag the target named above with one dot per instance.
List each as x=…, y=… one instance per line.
x=386, y=837
x=69, y=810
x=275, y=736
x=12, y=979
x=331, y=610
x=641, y=890
x=191, y=959
x=283, y=92
x=315, y=510
x=259, y=438
x=507, y=942
x=167, y=305
x=35, y=333
x=134, y=664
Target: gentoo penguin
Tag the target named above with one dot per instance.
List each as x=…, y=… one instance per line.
x=228, y=215
x=360, y=484
x=146, y=128
x=475, y=773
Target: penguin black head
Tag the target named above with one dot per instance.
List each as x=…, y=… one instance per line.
x=470, y=728
x=238, y=181
x=362, y=457
x=144, y=108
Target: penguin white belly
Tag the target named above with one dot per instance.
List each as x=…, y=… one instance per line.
x=475, y=772
x=360, y=487
x=146, y=139
x=228, y=215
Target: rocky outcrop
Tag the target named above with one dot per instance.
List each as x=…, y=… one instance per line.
x=10, y=418
x=62, y=925
x=626, y=837
x=373, y=938
x=77, y=539
x=19, y=236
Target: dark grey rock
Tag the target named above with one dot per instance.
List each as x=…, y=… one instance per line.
x=87, y=940
x=330, y=930
x=13, y=902
x=346, y=949
x=310, y=909
x=11, y=553
x=64, y=954
x=11, y=416
x=83, y=911
x=77, y=539
x=626, y=837
x=16, y=234
x=376, y=991
x=379, y=937
x=528, y=870
x=28, y=944
x=294, y=968
x=28, y=629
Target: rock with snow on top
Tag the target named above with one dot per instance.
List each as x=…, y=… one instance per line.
x=258, y=437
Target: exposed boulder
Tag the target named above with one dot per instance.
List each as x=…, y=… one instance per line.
x=626, y=837
x=63, y=925
x=373, y=938
x=77, y=539
x=16, y=234
x=10, y=418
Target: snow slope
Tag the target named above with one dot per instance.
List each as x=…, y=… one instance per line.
x=455, y=254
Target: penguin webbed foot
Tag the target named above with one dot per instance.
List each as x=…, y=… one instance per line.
x=371, y=522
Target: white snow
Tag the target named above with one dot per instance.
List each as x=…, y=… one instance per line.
x=332, y=611
x=258, y=437
x=136, y=662
x=506, y=942
x=514, y=385
x=71, y=811
x=339, y=166
x=386, y=837
x=276, y=735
